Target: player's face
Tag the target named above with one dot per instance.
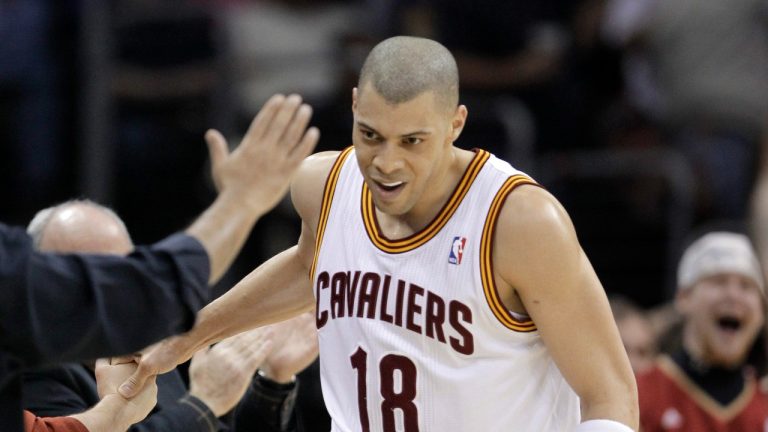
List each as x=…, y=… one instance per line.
x=724, y=314
x=404, y=150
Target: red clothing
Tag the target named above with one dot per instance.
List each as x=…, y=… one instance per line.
x=51, y=424
x=670, y=401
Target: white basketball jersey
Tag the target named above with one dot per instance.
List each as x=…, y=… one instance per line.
x=413, y=336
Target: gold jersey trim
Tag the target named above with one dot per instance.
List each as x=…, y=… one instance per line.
x=325, y=209
x=417, y=239
x=723, y=413
x=486, y=262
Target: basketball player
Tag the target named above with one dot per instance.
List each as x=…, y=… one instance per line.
x=451, y=292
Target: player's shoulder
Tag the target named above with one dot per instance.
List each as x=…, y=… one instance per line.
x=528, y=206
x=317, y=165
x=309, y=181
x=532, y=224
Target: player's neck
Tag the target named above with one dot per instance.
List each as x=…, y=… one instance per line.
x=431, y=202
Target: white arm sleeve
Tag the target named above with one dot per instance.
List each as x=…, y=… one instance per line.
x=602, y=426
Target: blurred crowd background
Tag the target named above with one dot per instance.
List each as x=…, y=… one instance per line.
x=644, y=117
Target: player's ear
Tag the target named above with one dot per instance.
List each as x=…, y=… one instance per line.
x=354, y=99
x=458, y=121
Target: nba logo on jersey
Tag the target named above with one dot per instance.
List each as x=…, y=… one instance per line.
x=457, y=250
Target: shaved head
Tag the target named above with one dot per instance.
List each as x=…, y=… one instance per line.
x=403, y=67
x=80, y=226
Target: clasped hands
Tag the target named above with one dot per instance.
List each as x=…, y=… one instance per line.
x=281, y=350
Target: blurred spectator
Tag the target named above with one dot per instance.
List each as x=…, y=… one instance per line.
x=636, y=332
x=708, y=384
x=667, y=324
x=700, y=67
x=218, y=377
x=276, y=386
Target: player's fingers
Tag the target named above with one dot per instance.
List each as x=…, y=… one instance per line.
x=305, y=146
x=283, y=119
x=261, y=123
x=296, y=128
x=217, y=146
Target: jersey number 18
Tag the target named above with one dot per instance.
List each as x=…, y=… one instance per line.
x=391, y=400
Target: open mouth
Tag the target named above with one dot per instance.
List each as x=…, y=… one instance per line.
x=729, y=324
x=390, y=186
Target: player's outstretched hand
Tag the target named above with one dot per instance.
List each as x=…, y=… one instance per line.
x=259, y=170
x=156, y=359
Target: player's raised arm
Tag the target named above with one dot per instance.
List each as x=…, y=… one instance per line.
x=276, y=290
x=540, y=266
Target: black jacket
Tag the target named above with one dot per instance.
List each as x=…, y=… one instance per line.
x=58, y=308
